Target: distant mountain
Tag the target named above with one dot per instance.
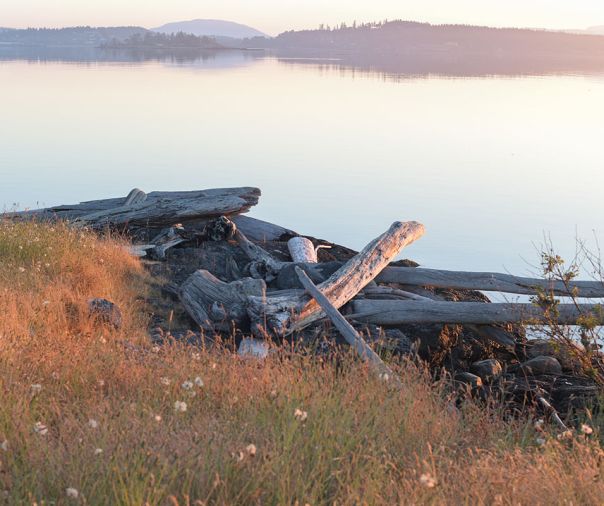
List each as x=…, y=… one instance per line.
x=77, y=36
x=211, y=28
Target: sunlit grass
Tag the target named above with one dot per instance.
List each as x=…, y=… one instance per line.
x=94, y=415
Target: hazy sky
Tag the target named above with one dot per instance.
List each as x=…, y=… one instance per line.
x=274, y=16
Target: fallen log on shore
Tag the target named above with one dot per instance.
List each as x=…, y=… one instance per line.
x=488, y=281
x=397, y=312
x=155, y=210
x=286, y=314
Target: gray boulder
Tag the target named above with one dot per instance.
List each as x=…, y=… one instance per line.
x=105, y=312
x=488, y=370
x=541, y=365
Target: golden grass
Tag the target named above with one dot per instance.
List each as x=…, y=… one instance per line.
x=360, y=443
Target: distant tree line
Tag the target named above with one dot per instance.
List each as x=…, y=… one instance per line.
x=75, y=36
x=405, y=37
x=152, y=40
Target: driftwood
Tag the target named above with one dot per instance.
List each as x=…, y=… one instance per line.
x=263, y=265
x=259, y=230
x=286, y=314
x=397, y=312
x=488, y=281
x=157, y=209
x=348, y=332
x=302, y=250
x=208, y=299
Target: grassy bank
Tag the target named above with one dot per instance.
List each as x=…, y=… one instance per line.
x=94, y=415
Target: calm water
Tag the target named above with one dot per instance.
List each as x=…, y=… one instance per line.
x=488, y=164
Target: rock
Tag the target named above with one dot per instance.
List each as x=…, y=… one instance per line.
x=488, y=370
x=469, y=379
x=566, y=353
x=541, y=365
x=105, y=312
x=253, y=348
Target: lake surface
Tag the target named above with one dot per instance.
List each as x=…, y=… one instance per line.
x=490, y=164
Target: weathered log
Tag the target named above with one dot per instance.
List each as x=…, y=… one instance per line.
x=488, y=281
x=302, y=250
x=397, y=312
x=208, y=299
x=158, y=209
x=259, y=230
x=348, y=332
x=286, y=314
x=263, y=265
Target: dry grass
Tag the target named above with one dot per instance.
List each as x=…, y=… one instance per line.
x=360, y=444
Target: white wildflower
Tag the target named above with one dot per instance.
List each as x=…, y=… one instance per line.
x=586, y=429
x=540, y=441
x=198, y=381
x=164, y=381
x=72, y=493
x=251, y=450
x=98, y=451
x=40, y=428
x=157, y=418
x=384, y=376
x=427, y=480
x=300, y=415
x=214, y=366
x=187, y=385
x=567, y=434
x=180, y=406
x=93, y=424
x=155, y=349
x=196, y=356
x=36, y=388
x=4, y=445
x=21, y=269
x=46, y=303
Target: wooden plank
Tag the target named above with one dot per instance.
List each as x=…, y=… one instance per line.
x=397, y=312
x=348, y=332
x=487, y=281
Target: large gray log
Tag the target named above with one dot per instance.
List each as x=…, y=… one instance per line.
x=348, y=332
x=159, y=209
x=259, y=230
x=208, y=299
x=397, y=312
x=286, y=314
x=487, y=281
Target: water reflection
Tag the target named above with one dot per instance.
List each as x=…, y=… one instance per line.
x=392, y=67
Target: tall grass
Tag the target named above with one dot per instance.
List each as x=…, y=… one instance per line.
x=289, y=430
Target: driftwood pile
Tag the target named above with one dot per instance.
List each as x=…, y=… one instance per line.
x=220, y=273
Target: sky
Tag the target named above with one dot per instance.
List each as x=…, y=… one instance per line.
x=275, y=16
